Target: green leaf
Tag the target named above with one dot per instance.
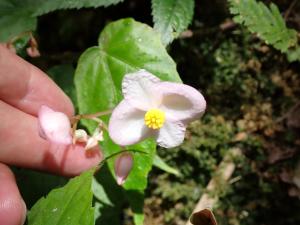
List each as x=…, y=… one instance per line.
x=52, y=5
x=15, y=18
x=18, y=16
x=159, y=163
x=294, y=54
x=69, y=205
x=109, y=198
x=124, y=46
x=40, y=184
x=171, y=17
x=266, y=22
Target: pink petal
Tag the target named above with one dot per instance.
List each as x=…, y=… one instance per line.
x=123, y=166
x=33, y=52
x=54, y=126
x=171, y=134
x=138, y=89
x=126, y=125
x=180, y=101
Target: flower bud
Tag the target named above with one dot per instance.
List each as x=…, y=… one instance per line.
x=54, y=126
x=80, y=135
x=33, y=52
x=123, y=165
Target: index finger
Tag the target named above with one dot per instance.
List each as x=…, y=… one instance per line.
x=27, y=88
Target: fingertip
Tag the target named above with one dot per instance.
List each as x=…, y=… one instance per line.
x=12, y=206
x=71, y=160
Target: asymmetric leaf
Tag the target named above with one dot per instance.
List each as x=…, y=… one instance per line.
x=68, y=205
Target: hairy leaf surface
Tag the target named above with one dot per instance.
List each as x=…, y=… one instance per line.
x=171, y=17
x=266, y=22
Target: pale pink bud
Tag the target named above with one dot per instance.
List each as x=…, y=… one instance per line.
x=33, y=52
x=54, y=126
x=80, y=135
x=123, y=165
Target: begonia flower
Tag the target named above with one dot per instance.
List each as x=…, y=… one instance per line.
x=154, y=108
x=54, y=126
x=123, y=166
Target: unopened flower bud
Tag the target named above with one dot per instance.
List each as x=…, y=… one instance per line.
x=54, y=126
x=81, y=135
x=33, y=52
x=123, y=165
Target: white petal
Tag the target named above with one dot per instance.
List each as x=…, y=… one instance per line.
x=54, y=126
x=171, y=134
x=138, y=88
x=126, y=125
x=180, y=101
x=98, y=134
x=91, y=143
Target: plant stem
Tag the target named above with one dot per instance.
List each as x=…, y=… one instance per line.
x=117, y=153
x=97, y=114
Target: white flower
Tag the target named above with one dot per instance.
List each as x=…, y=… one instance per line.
x=154, y=108
x=54, y=126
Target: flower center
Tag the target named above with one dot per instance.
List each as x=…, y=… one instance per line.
x=154, y=118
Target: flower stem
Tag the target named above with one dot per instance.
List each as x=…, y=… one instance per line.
x=115, y=154
x=94, y=115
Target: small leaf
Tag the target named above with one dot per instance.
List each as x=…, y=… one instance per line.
x=171, y=17
x=69, y=205
x=266, y=22
x=159, y=163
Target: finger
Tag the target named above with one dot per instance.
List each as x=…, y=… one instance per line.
x=22, y=146
x=12, y=206
x=27, y=88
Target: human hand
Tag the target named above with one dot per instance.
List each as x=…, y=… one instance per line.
x=23, y=90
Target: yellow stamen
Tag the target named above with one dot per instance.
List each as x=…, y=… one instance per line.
x=154, y=118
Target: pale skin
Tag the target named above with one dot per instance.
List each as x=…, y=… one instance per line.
x=23, y=89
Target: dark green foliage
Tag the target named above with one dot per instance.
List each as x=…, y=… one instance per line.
x=171, y=17
x=63, y=76
x=266, y=22
x=18, y=16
